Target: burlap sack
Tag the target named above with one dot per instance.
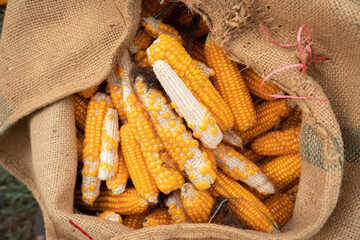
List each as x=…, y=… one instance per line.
x=51, y=49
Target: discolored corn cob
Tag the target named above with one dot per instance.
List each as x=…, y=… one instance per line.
x=95, y=116
x=177, y=140
x=232, y=137
x=168, y=49
x=109, y=146
x=249, y=154
x=255, y=217
x=118, y=183
x=135, y=220
x=114, y=81
x=155, y=27
x=208, y=72
x=141, y=42
x=186, y=17
x=240, y=168
x=230, y=85
x=126, y=203
x=136, y=165
x=283, y=170
x=88, y=93
x=198, y=204
x=268, y=115
x=211, y=156
x=253, y=82
x=278, y=142
x=294, y=120
x=152, y=7
x=281, y=207
x=292, y=191
x=80, y=106
x=176, y=209
x=111, y=216
x=166, y=178
x=198, y=118
x=159, y=216
x=197, y=50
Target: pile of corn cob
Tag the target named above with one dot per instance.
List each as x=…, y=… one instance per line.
x=195, y=128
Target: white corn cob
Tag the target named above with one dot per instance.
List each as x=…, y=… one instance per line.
x=117, y=184
x=111, y=216
x=196, y=115
x=209, y=72
x=176, y=209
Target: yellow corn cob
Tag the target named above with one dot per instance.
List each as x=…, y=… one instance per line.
x=268, y=115
x=240, y=168
x=198, y=118
x=141, y=59
x=208, y=72
x=278, y=142
x=176, y=209
x=256, y=100
x=231, y=86
x=118, y=183
x=283, y=170
x=166, y=179
x=80, y=106
x=95, y=116
x=197, y=50
x=135, y=220
x=249, y=154
x=109, y=146
x=111, y=216
x=154, y=28
x=198, y=204
x=141, y=42
x=152, y=7
x=281, y=207
x=178, y=142
x=126, y=203
x=114, y=81
x=168, y=49
x=232, y=137
x=211, y=156
x=253, y=81
x=186, y=17
x=292, y=191
x=88, y=93
x=136, y=165
x=159, y=216
x=244, y=210
x=294, y=120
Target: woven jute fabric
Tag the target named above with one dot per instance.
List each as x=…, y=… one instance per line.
x=51, y=49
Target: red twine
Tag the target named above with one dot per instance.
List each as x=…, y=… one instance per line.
x=302, y=65
x=80, y=229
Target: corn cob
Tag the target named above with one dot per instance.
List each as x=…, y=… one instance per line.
x=141, y=42
x=166, y=179
x=109, y=148
x=208, y=72
x=176, y=209
x=256, y=100
x=257, y=194
x=294, y=120
x=268, y=115
x=152, y=7
x=232, y=137
x=177, y=141
x=80, y=106
x=249, y=154
x=154, y=28
x=283, y=170
x=278, y=142
x=118, y=183
x=111, y=216
x=159, y=216
x=240, y=168
x=231, y=86
x=95, y=116
x=136, y=164
x=135, y=220
x=292, y=191
x=197, y=50
x=281, y=207
x=211, y=156
x=114, y=81
x=198, y=119
x=244, y=210
x=253, y=82
x=88, y=93
x=198, y=204
x=168, y=49
x=186, y=17
x=141, y=59
x=126, y=203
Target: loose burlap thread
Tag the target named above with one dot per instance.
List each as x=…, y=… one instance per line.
x=50, y=50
